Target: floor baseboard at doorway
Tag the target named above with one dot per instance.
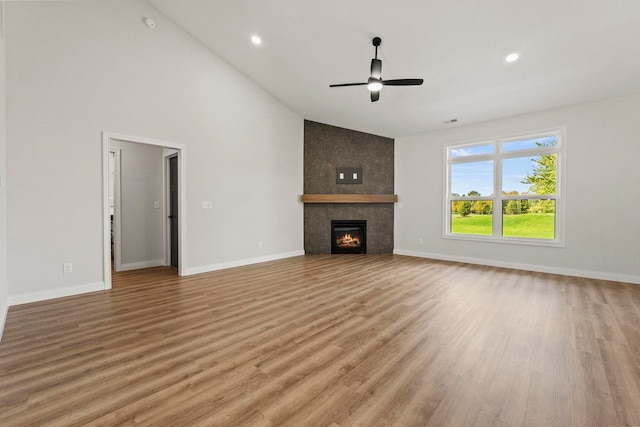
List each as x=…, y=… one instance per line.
x=142, y=264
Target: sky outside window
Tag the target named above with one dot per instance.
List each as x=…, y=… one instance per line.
x=525, y=144
x=478, y=176
x=472, y=150
x=472, y=176
x=514, y=171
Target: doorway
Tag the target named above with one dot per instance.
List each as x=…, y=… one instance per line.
x=174, y=206
x=173, y=210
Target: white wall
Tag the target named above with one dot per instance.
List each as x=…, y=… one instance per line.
x=75, y=69
x=3, y=183
x=141, y=183
x=602, y=237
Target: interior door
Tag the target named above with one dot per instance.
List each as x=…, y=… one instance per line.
x=173, y=209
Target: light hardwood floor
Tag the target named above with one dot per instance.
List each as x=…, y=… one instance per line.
x=328, y=340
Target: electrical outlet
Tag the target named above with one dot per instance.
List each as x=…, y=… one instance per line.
x=259, y=245
x=421, y=241
x=207, y=205
x=67, y=267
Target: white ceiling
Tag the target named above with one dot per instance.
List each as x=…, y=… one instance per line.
x=571, y=51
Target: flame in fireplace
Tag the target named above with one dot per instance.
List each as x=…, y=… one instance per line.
x=348, y=241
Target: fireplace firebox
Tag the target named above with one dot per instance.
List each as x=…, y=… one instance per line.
x=348, y=236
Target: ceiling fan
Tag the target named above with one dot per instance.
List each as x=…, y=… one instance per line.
x=375, y=82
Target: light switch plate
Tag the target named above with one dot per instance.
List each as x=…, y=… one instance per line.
x=348, y=175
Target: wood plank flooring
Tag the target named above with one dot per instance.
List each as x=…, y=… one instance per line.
x=350, y=340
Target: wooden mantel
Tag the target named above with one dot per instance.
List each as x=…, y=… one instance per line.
x=349, y=198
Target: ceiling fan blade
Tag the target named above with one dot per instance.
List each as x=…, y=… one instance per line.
x=348, y=84
x=375, y=95
x=376, y=68
x=402, y=82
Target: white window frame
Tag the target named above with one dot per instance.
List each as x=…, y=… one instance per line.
x=497, y=198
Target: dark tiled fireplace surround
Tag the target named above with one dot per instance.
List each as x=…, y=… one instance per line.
x=327, y=148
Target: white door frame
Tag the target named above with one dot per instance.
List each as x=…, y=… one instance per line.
x=182, y=204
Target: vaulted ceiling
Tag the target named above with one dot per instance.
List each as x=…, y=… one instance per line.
x=571, y=51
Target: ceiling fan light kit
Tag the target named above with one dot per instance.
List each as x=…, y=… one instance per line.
x=374, y=85
x=375, y=81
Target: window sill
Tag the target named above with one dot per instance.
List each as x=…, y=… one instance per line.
x=505, y=240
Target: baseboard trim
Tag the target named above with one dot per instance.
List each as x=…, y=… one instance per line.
x=142, y=264
x=55, y=293
x=240, y=263
x=599, y=275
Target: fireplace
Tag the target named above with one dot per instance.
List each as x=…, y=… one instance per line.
x=348, y=236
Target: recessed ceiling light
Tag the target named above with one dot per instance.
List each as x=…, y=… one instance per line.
x=512, y=57
x=256, y=40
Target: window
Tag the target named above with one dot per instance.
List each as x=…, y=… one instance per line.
x=506, y=190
